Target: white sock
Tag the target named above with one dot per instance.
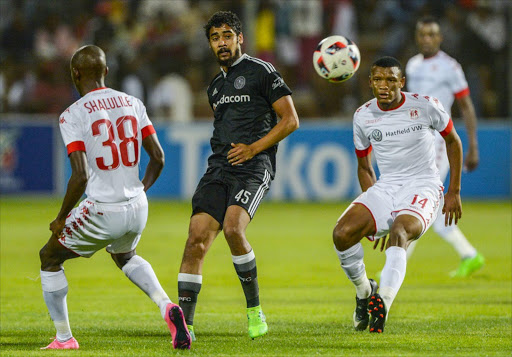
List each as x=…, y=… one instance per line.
x=453, y=235
x=392, y=275
x=353, y=265
x=55, y=291
x=411, y=248
x=141, y=274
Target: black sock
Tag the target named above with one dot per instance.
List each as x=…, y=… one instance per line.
x=187, y=292
x=248, y=276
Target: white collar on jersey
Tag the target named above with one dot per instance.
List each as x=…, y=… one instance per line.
x=242, y=57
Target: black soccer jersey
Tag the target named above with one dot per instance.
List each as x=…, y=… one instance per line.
x=242, y=100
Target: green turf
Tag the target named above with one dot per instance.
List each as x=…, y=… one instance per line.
x=305, y=294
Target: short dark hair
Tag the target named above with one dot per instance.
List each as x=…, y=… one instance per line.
x=223, y=17
x=427, y=20
x=388, y=61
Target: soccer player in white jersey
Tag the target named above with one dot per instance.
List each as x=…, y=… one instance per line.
x=103, y=132
x=403, y=203
x=432, y=72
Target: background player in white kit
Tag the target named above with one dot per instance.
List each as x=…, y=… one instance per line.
x=406, y=199
x=103, y=132
x=432, y=72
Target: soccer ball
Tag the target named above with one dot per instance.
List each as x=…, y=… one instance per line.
x=336, y=59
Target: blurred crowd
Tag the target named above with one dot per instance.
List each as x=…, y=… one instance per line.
x=157, y=50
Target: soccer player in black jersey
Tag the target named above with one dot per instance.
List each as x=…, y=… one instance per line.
x=246, y=97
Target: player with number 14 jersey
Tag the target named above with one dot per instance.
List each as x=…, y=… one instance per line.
x=402, y=136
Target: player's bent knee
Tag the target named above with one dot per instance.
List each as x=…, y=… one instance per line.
x=122, y=258
x=195, y=246
x=400, y=236
x=344, y=236
x=43, y=255
x=50, y=261
x=233, y=232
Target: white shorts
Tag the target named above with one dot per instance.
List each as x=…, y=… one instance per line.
x=421, y=199
x=93, y=226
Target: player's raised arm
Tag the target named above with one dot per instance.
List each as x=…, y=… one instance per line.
x=452, y=202
x=156, y=160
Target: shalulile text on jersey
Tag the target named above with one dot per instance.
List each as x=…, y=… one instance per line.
x=107, y=103
x=232, y=99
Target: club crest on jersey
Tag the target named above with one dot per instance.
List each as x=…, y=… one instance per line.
x=414, y=113
x=377, y=135
x=239, y=82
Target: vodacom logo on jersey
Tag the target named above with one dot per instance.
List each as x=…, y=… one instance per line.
x=232, y=99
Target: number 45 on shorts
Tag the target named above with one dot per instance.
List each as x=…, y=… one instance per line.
x=243, y=196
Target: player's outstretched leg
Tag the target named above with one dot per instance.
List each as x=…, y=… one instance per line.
x=140, y=272
x=257, y=322
x=378, y=312
x=55, y=291
x=178, y=327
x=361, y=315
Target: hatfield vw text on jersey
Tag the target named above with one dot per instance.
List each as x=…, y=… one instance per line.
x=404, y=131
x=232, y=99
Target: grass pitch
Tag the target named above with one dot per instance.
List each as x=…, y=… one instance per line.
x=304, y=293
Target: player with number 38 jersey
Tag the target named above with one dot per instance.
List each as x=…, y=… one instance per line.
x=103, y=133
x=109, y=126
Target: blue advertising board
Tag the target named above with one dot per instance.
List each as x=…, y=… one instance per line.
x=27, y=158
x=317, y=162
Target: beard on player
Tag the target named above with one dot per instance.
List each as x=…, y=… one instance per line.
x=230, y=60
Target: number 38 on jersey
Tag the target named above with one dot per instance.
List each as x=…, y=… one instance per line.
x=125, y=149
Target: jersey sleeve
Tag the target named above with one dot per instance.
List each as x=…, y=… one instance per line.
x=458, y=83
x=362, y=144
x=274, y=86
x=439, y=118
x=71, y=132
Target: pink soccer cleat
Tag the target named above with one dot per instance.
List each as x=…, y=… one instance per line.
x=178, y=327
x=71, y=344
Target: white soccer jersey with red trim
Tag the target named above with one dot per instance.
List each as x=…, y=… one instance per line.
x=402, y=138
x=109, y=126
x=439, y=76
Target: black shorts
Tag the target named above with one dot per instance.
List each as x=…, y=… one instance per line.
x=219, y=189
